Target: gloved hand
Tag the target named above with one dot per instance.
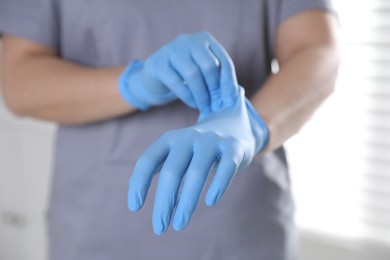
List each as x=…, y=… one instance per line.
x=194, y=68
x=227, y=140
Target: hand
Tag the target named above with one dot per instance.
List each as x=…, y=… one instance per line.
x=228, y=139
x=194, y=68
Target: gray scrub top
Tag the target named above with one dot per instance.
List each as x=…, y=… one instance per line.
x=88, y=216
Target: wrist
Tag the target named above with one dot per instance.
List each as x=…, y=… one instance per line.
x=259, y=127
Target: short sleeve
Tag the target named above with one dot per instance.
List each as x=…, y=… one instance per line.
x=33, y=20
x=292, y=7
x=280, y=10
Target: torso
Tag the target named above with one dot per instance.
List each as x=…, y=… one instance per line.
x=88, y=214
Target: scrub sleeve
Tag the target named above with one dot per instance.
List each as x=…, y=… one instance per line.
x=88, y=217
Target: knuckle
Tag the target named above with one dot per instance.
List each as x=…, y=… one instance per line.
x=212, y=136
x=182, y=38
x=179, y=137
x=191, y=72
x=207, y=62
x=210, y=67
x=171, y=81
x=192, y=134
x=167, y=135
x=207, y=143
x=205, y=34
x=231, y=145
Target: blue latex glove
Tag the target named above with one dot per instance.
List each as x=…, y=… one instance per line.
x=194, y=68
x=227, y=140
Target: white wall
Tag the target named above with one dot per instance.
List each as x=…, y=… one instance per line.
x=25, y=163
x=340, y=161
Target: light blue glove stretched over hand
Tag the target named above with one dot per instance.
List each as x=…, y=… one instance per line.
x=194, y=68
x=228, y=139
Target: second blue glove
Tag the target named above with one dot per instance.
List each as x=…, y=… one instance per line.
x=194, y=68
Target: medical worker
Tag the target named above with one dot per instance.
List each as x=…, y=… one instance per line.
x=169, y=119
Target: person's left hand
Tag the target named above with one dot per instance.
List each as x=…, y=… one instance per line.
x=228, y=139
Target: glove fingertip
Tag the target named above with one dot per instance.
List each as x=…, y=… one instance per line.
x=210, y=201
x=133, y=206
x=178, y=224
x=158, y=230
x=158, y=226
x=133, y=202
x=212, y=197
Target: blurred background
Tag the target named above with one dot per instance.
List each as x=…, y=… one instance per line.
x=340, y=161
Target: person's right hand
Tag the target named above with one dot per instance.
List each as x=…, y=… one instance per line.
x=194, y=68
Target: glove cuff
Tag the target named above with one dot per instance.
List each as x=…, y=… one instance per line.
x=259, y=127
x=126, y=90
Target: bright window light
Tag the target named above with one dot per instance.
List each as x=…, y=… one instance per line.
x=340, y=161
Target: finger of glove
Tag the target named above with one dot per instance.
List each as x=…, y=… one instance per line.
x=195, y=179
x=151, y=68
x=228, y=80
x=231, y=157
x=183, y=63
x=145, y=168
x=210, y=68
x=170, y=77
x=169, y=182
x=160, y=77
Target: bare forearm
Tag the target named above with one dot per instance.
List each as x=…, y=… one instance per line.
x=46, y=87
x=290, y=97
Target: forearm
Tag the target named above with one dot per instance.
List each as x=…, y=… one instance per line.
x=46, y=87
x=289, y=98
